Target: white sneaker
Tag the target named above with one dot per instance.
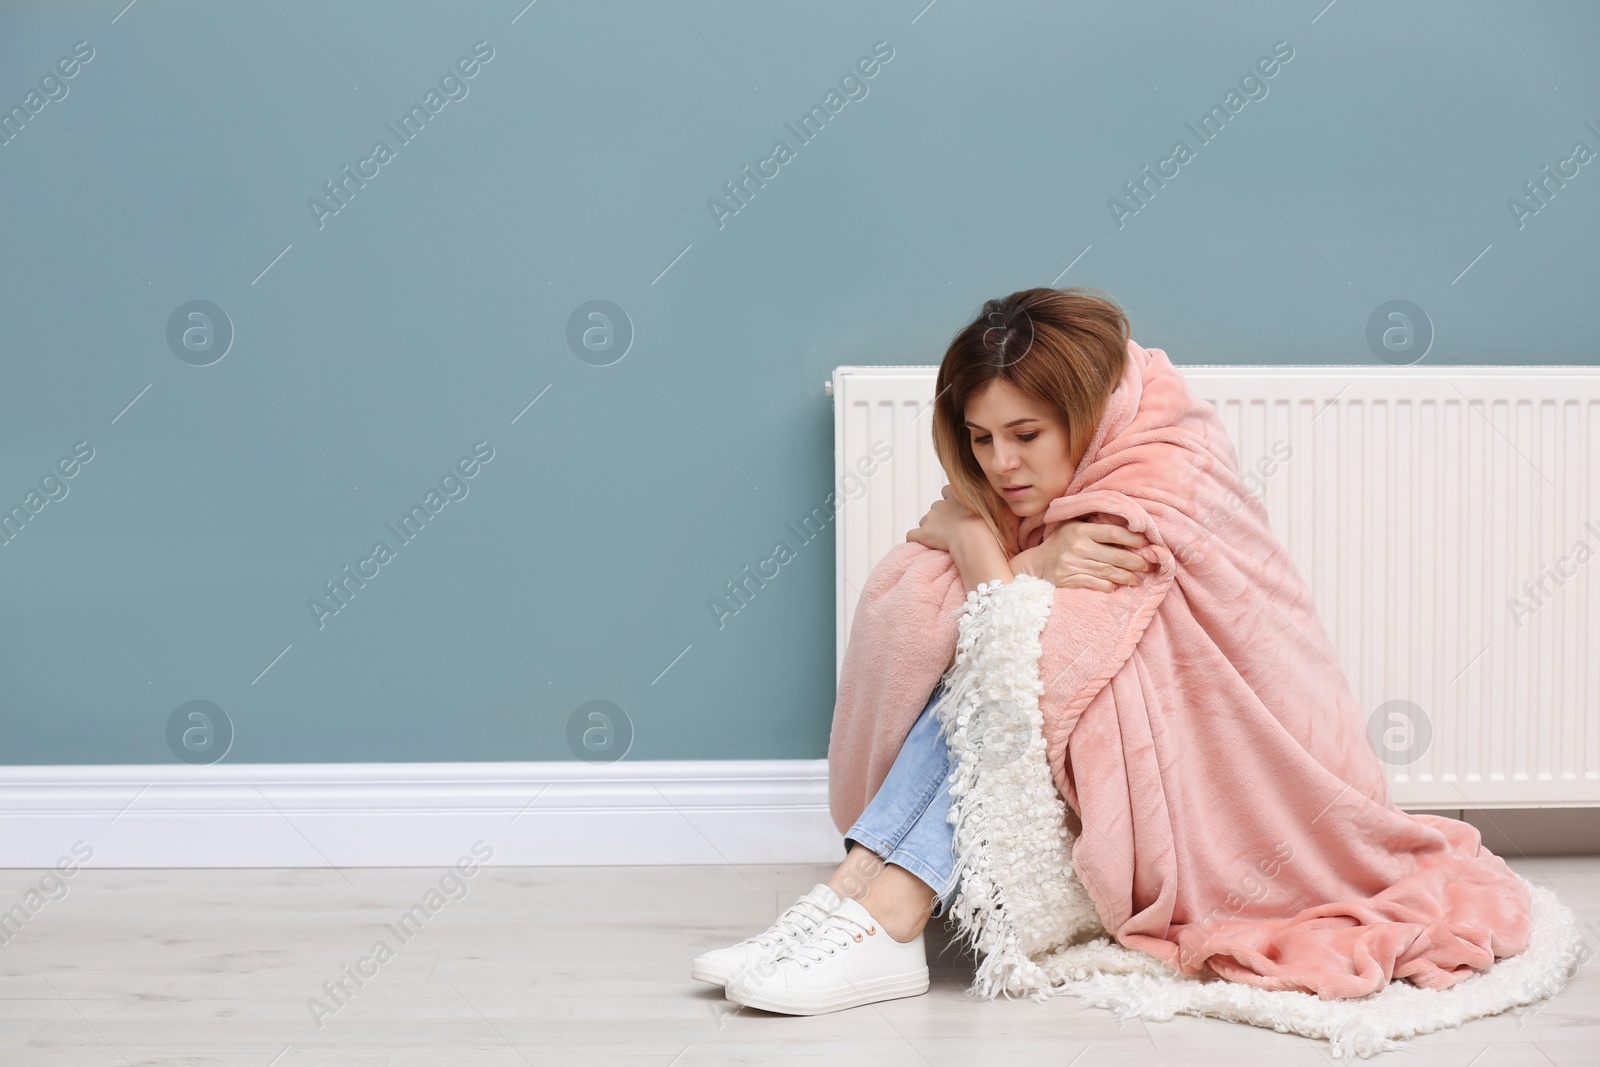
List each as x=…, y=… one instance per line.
x=846, y=961
x=804, y=914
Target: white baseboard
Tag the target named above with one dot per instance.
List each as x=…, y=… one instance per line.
x=531, y=814
x=419, y=814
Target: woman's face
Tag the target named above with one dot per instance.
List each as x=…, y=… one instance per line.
x=1019, y=443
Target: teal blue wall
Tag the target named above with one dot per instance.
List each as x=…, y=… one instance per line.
x=423, y=317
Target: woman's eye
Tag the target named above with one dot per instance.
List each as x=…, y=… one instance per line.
x=1027, y=437
x=1021, y=437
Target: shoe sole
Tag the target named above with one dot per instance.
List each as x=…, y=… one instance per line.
x=711, y=973
x=788, y=1002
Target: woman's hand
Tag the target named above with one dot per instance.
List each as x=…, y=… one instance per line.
x=948, y=523
x=1080, y=554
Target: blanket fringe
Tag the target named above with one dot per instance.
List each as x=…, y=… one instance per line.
x=1022, y=907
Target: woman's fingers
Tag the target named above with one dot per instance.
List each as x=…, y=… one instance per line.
x=1108, y=533
x=1093, y=575
x=1115, y=557
x=1128, y=561
x=1115, y=565
x=1110, y=574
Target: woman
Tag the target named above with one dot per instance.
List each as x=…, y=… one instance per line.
x=1185, y=729
x=1018, y=396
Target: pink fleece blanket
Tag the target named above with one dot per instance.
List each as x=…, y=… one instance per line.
x=1235, y=820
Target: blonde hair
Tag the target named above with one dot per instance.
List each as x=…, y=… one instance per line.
x=1063, y=348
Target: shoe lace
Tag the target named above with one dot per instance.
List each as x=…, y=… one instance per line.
x=792, y=924
x=836, y=931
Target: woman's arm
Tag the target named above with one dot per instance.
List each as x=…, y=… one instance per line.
x=979, y=557
x=950, y=527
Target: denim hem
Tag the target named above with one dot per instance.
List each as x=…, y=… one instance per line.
x=944, y=896
x=929, y=878
x=866, y=840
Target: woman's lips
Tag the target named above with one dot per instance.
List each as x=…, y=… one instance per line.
x=1018, y=491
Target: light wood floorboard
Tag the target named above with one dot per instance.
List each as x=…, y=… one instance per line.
x=577, y=965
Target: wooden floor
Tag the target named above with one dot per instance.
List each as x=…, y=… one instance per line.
x=575, y=966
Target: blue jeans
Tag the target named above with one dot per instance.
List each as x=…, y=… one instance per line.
x=905, y=822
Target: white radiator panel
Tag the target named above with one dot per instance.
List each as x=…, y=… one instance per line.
x=1423, y=505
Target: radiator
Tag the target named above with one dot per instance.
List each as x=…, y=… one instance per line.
x=1447, y=520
